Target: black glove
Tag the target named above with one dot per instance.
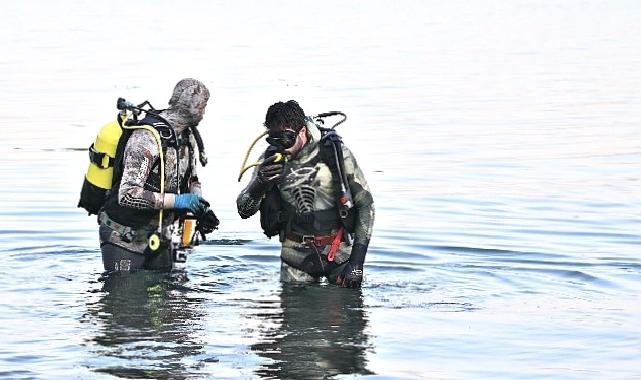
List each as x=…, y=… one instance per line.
x=352, y=274
x=207, y=222
x=351, y=277
x=268, y=173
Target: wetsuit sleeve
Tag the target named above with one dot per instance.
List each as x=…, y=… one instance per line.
x=141, y=152
x=362, y=197
x=246, y=203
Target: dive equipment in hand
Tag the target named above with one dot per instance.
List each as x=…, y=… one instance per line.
x=269, y=172
x=274, y=151
x=271, y=168
x=270, y=151
x=207, y=223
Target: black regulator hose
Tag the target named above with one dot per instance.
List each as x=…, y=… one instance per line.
x=320, y=117
x=202, y=156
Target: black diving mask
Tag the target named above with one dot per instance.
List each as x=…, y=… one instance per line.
x=282, y=139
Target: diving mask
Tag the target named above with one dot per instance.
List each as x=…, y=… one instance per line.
x=284, y=139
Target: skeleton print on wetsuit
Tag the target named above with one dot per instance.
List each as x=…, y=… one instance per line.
x=301, y=185
x=308, y=189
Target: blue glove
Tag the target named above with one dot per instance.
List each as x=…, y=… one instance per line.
x=191, y=202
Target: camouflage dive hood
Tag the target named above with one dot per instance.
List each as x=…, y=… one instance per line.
x=187, y=104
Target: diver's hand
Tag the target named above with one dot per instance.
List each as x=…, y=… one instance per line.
x=351, y=276
x=268, y=173
x=191, y=202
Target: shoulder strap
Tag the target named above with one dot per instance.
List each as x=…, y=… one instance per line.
x=160, y=124
x=167, y=134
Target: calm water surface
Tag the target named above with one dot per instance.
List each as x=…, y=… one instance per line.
x=500, y=139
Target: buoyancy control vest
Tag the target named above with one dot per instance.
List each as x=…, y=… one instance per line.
x=279, y=218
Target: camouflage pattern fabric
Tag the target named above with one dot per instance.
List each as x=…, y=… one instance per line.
x=187, y=104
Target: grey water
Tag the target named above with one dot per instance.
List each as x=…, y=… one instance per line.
x=501, y=140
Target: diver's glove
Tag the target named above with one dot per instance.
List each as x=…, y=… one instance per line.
x=268, y=173
x=207, y=222
x=352, y=274
x=191, y=202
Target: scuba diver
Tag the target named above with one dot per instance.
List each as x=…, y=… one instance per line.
x=154, y=183
x=312, y=194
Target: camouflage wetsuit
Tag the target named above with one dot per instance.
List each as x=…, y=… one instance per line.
x=139, y=191
x=307, y=186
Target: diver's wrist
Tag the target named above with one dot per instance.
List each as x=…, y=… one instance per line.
x=357, y=256
x=257, y=188
x=169, y=200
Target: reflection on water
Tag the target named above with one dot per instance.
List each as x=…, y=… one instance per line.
x=320, y=332
x=147, y=325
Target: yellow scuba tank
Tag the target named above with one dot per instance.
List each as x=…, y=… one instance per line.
x=100, y=174
x=98, y=179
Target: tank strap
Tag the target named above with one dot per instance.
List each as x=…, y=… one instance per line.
x=102, y=160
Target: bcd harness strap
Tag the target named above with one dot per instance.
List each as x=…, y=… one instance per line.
x=156, y=135
x=126, y=233
x=102, y=160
